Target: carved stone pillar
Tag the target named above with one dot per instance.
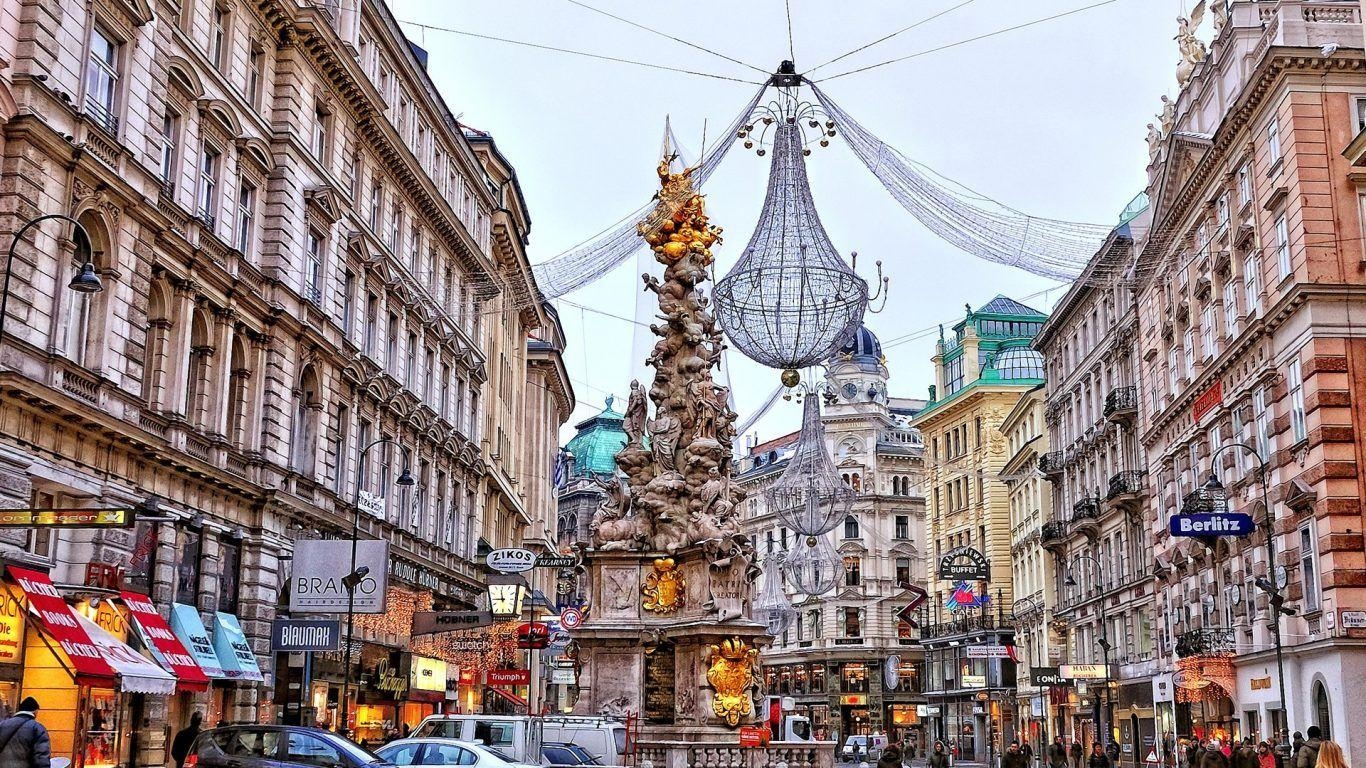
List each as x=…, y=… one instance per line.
x=219, y=375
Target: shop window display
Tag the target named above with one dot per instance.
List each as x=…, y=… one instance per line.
x=101, y=742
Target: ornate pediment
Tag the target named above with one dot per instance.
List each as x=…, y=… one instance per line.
x=323, y=202
x=1184, y=151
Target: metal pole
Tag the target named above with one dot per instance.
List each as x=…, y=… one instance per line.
x=9, y=261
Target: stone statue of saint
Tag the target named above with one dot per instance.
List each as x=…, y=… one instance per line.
x=634, y=421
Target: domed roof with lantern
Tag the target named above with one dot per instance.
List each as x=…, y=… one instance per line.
x=863, y=349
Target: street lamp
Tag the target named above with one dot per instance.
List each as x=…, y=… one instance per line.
x=1103, y=642
x=1267, y=585
x=357, y=575
x=85, y=280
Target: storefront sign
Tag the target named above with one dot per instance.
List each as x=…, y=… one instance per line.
x=562, y=676
x=233, y=651
x=1212, y=524
x=58, y=619
x=370, y=504
x=1162, y=688
x=659, y=686
x=511, y=560
x=509, y=677
x=964, y=564
x=108, y=617
x=320, y=565
x=1208, y=400
x=533, y=636
x=1354, y=619
x=974, y=681
x=551, y=560
x=167, y=648
x=388, y=679
x=1260, y=683
x=921, y=710
x=963, y=597
x=1042, y=676
x=432, y=622
x=1084, y=671
x=117, y=517
x=186, y=624
x=854, y=700
x=753, y=737
x=295, y=635
x=425, y=578
x=427, y=674
x=987, y=652
x=11, y=628
x=135, y=673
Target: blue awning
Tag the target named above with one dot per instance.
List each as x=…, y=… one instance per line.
x=187, y=626
x=234, y=652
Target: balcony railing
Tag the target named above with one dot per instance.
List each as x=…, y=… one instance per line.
x=962, y=626
x=1050, y=464
x=1052, y=531
x=1126, y=483
x=102, y=115
x=1204, y=642
x=1121, y=401
x=1086, y=509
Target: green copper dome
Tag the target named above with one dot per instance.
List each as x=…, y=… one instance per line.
x=596, y=445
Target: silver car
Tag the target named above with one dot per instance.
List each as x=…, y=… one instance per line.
x=435, y=751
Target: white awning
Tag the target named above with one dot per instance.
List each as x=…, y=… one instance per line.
x=137, y=674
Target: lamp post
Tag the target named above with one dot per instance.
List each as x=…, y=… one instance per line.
x=1104, y=643
x=1267, y=583
x=355, y=576
x=84, y=281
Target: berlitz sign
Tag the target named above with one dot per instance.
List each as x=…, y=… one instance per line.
x=964, y=564
x=1212, y=524
x=320, y=565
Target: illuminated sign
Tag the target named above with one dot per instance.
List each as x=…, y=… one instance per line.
x=1083, y=671
x=11, y=628
x=118, y=517
x=974, y=681
x=854, y=699
x=964, y=564
x=963, y=596
x=427, y=674
x=509, y=677
x=1212, y=524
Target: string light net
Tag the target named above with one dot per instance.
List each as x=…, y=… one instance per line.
x=590, y=260
x=773, y=608
x=790, y=301
x=972, y=222
x=814, y=567
x=809, y=497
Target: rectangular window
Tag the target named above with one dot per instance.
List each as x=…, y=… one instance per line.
x=1173, y=369
x=246, y=216
x=1221, y=210
x=391, y=356
x=1207, y=335
x=348, y=303
x=1309, y=568
x=1251, y=283
x=1359, y=107
x=1283, y=247
x=851, y=623
x=1188, y=341
x=1239, y=455
x=1230, y=308
x=410, y=365
x=187, y=568
x=1273, y=141
x=903, y=526
x=208, y=184
x=1244, y=184
x=102, y=79
x=313, y=275
x=371, y=322
x=218, y=44
x=339, y=446
x=1216, y=441
x=255, y=74
x=903, y=571
x=170, y=132
x=376, y=205
x=1295, y=380
x=396, y=228
x=1261, y=419
x=853, y=572
x=322, y=123
x=444, y=408
x=428, y=378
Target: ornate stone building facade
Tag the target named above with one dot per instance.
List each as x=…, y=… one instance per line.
x=835, y=658
x=1249, y=348
x=1100, y=488
x=302, y=253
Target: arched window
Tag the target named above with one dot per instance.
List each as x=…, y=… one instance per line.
x=197, y=370
x=237, y=393
x=307, y=410
x=851, y=527
x=1322, y=715
x=154, y=363
x=856, y=483
x=85, y=323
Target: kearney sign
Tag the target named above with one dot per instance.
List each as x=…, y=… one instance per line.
x=964, y=564
x=1212, y=524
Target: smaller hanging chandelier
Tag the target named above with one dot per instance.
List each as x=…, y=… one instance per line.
x=773, y=607
x=809, y=497
x=814, y=567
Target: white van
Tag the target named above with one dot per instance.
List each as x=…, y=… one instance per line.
x=602, y=737
x=517, y=736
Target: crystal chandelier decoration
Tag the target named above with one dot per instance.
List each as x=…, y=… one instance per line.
x=773, y=608
x=814, y=567
x=809, y=497
x=790, y=301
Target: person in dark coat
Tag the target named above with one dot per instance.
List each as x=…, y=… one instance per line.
x=938, y=758
x=1077, y=753
x=1307, y=754
x=23, y=740
x=1212, y=756
x=1098, y=758
x=1013, y=757
x=890, y=757
x=1057, y=754
x=180, y=746
x=1245, y=756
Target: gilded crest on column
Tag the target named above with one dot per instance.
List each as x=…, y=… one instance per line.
x=731, y=673
x=664, y=587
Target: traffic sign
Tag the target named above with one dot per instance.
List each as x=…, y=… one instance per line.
x=1212, y=524
x=571, y=618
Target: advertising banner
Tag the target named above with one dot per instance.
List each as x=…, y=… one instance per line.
x=320, y=565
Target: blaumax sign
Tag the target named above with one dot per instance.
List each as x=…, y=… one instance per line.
x=1212, y=524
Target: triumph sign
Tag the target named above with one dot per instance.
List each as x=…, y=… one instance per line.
x=320, y=565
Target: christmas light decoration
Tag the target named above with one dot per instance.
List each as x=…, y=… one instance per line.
x=809, y=497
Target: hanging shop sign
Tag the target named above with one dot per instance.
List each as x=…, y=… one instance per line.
x=166, y=647
x=964, y=564
x=987, y=652
x=11, y=627
x=1212, y=524
x=233, y=651
x=511, y=560
x=974, y=681
x=1084, y=671
x=187, y=625
x=559, y=638
x=891, y=672
x=427, y=674
x=297, y=635
x=554, y=560
x=509, y=677
x=562, y=676
x=854, y=700
x=320, y=565
x=386, y=677
x=572, y=618
x=534, y=636
x=963, y=597
x=370, y=503
x=432, y=622
x=1208, y=400
x=1042, y=676
x=116, y=517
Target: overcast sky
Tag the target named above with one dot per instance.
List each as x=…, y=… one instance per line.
x=1049, y=119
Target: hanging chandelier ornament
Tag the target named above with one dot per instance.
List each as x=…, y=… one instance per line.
x=809, y=497
x=791, y=300
x=814, y=567
x=773, y=607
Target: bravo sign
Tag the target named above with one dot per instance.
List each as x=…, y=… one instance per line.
x=320, y=565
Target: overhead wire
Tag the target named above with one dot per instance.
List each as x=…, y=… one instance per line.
x=975, y=38
x=791, y=47
x=885, y=38
x=668, y=36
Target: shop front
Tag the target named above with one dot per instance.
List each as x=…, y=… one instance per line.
x=12, y=626
x=426, y=689
x=91, y=685
x=380, y=695
x=224, y=655
x=1136, y=724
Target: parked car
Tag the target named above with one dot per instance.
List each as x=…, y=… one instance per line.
x=602, y=737
x=562, y=755
x=517, y=736
x=277, y=746
x=433, y=751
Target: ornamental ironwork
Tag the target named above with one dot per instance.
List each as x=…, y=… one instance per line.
x=1086, y=509
x=1206, y=642
x=1128, y=482
x=1121, y=400
x=1051, y=463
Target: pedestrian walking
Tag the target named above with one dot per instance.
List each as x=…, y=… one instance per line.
x=1245, y=756
x=23, y=740
x=180, y=746
x=890, y=757
x=1330, y=755
x=1014, y=757
x=1098, y=758
x=1057, y=754
x=938, y=758
x=1307, y=754
x=1212, y=756
x=1077, y=753
x=1266, y=758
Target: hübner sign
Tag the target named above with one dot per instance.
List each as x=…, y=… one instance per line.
x=320, y=566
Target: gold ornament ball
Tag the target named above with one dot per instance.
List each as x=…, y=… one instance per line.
x=810, y=541
x=791, y=378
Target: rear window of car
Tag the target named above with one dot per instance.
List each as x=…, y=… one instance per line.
x=446, y=729
x=240, y=742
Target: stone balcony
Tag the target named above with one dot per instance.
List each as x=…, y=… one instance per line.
x=1086, y=517
x=1127, y=490
x=1121, y=405
x=1053, y=536
x=1050, y=464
